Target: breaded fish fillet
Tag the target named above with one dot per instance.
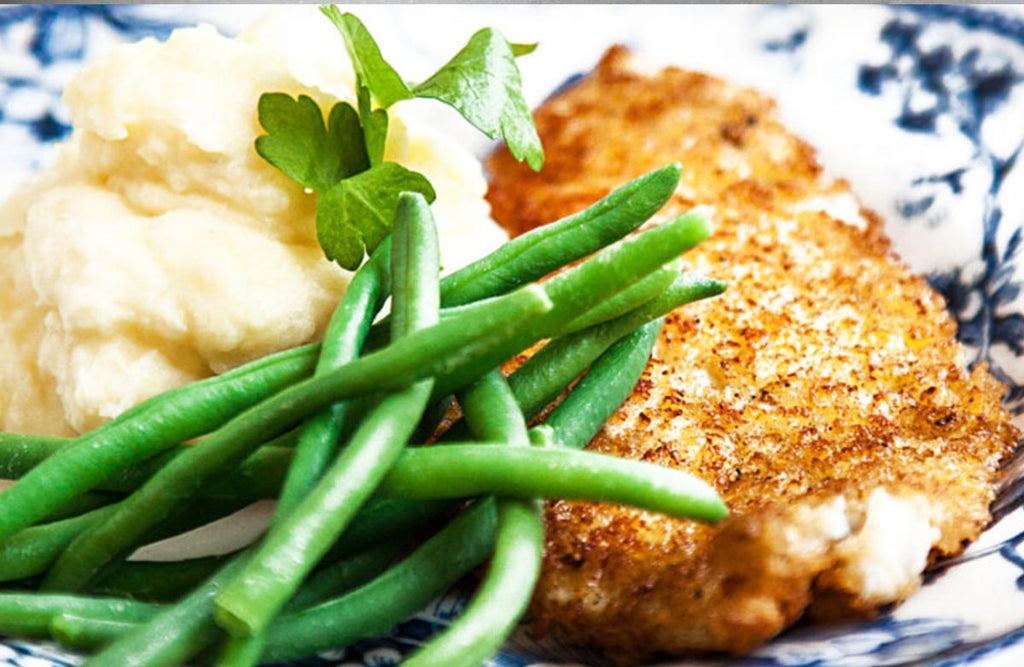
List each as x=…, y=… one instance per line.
x=823, y=394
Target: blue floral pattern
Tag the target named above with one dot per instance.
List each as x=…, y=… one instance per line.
x=942, y=71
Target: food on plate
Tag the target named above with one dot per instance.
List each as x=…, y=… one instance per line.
x=206, y=222
x=235, y=608
x=823, y=394
x=371, y=522
x=160, y=248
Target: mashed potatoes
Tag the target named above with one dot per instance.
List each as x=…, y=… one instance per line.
x=160, y=248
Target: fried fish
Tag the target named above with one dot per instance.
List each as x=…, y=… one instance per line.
x=824, y=394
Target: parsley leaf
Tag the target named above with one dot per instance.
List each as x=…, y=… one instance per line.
x=343, y=132
x=300, y=145
x=375, y=127
x=371, y=69
x=343, y=159
x=356, y=214
x=482, y=83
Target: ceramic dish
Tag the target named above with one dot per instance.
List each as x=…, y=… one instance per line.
x=921, y=108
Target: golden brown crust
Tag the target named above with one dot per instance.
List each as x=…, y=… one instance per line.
x=825, y=373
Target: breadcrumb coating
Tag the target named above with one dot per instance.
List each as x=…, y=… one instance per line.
x=824, y=394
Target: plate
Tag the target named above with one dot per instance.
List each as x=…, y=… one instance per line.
x=921, y=108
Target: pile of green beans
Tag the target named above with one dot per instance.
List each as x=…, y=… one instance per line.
x=372, y=521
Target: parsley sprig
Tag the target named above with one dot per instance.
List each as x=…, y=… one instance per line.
x=342, y=158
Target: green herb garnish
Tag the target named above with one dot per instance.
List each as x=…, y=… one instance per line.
x=342, y=159
x=299, y=144
x=360, y=209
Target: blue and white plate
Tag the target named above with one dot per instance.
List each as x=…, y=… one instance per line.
x=921, y=108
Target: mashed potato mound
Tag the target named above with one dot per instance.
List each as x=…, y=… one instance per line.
x=160, y=248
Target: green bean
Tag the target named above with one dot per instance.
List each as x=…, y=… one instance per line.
x=543, y=435
x=156, y=581
x=492, y=413
x=425, y=353
x=84, y=633
x=606, y=385
x=142, y=431
x=31, y=551
x=587, y=285
x=81, y=631
x=386, y=519
x=325, y=583
x=392, y=597
x=81, y=504
x=343, y=340
x=545, y=375
x=12, y=443
x=490, y=410
x=501, y=599
x=628, y=299
x=293, y=547
x=258, y=477
x=539, y=252
x=20, y=452
x=464, y=470
x=249, y=480
x=347, y=573
x=241, y=651
x=551, y=370
x=30, y=614
x=318, y=446
x=415, y=267
x=175, y=633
